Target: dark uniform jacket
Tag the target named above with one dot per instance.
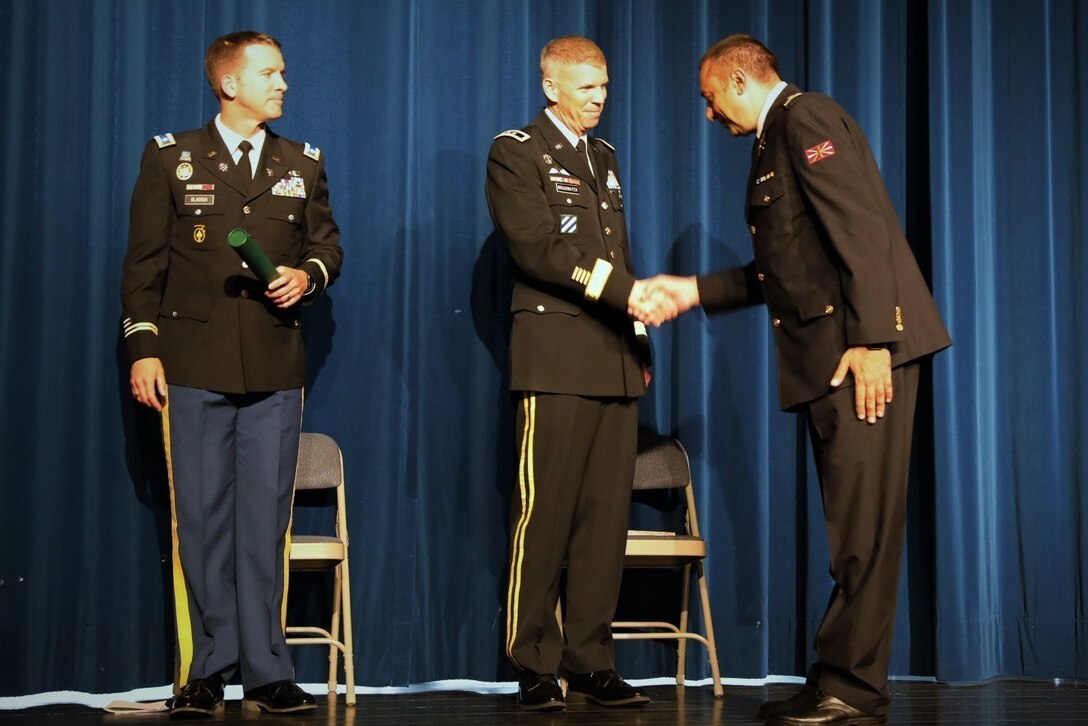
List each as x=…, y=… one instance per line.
x=565, y=232
x=186, y=296
x=831, y=261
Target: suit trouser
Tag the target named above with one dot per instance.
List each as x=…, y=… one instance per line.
x=863, y=471
x=576, y=465
x=231, y=461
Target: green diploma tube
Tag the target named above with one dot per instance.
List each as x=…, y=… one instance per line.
x=252, y=255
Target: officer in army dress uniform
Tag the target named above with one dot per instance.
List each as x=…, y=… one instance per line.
x=577, y=367
x=220, y=354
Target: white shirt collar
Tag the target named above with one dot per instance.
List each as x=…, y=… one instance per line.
x=771, y=97
x=571, y=137
x=232, y=139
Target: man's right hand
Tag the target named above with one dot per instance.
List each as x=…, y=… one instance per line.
x=148, y=381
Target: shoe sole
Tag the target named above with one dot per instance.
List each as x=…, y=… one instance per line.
x=776, y=720
x=578, y=696
x=193, y=712
x=543, y=707
x=251, y=705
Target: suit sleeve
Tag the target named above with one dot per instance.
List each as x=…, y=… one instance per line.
x=846, y=196
x=144, y=274
x=322, y=255
x=524, y=219
x=728, y=289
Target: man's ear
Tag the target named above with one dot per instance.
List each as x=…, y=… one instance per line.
x=227, y=86
x=739, y=80
x=551, y=90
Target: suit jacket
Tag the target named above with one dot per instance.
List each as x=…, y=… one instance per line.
x=565, y=233
x=187, y=297
x=831, y=260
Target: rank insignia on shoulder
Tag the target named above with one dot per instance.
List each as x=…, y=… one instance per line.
x=311, y=151
x=516, y=134
x=605, y=143
x=165, y=140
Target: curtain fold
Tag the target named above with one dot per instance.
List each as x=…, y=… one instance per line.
x=977, y=113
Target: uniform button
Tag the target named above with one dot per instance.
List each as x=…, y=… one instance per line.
x=829, y=309
x=776, y=322
x=290, y=218
x=760, y=276
x=899, y=327
x=174, y=314
x=246, y=209
x=604, y=205
x=540, y=308
x=753, y=229
x=766, y=199
x=295, y=323
x=568, y=200
x=245, y=266
x=198, y=212
x=245, y=293
x=608, y=230
x=612, y=254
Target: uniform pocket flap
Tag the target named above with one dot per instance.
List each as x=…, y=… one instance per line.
x=189, y=308
x=528, y=300
x=818, y=304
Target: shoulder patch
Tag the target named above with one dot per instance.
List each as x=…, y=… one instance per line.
x=311, y=151
x=516, y=134
x=791, y=99
x=595, y=138
x=165, y=140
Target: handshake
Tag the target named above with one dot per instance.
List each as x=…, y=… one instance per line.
x=660, y=299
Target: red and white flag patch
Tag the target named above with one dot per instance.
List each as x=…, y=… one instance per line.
x=820, y=151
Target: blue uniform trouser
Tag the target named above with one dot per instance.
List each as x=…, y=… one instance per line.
x=231, y=460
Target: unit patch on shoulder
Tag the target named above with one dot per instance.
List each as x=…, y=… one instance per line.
x=165, y=140
x=516, y=134
x=311, y=151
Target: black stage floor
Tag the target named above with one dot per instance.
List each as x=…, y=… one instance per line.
x=995, y=702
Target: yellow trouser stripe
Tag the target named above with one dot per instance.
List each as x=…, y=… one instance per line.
x=184, y=656
x=527, y=487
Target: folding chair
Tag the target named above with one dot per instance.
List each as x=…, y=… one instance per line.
x=662, y=463
x=321, y=466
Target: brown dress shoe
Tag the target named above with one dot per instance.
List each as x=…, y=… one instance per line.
x=823, y=709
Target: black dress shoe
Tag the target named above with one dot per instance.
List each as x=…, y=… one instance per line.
x=540, y=692
x=606, y=688
x=823, y=709
x=199, y=697
x=278, y=697
x=768, y=708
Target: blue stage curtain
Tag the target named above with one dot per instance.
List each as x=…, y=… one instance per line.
x=978, y=113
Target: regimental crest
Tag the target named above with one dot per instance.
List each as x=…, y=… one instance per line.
x=819, y=152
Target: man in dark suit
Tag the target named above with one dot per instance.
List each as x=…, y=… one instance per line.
x=577, y=367
x=852, y=317
x=220, y=354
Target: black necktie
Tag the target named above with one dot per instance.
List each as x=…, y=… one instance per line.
x=243, y=162
x=581, y=149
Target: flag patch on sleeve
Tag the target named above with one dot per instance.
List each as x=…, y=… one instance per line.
x=820, y=151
